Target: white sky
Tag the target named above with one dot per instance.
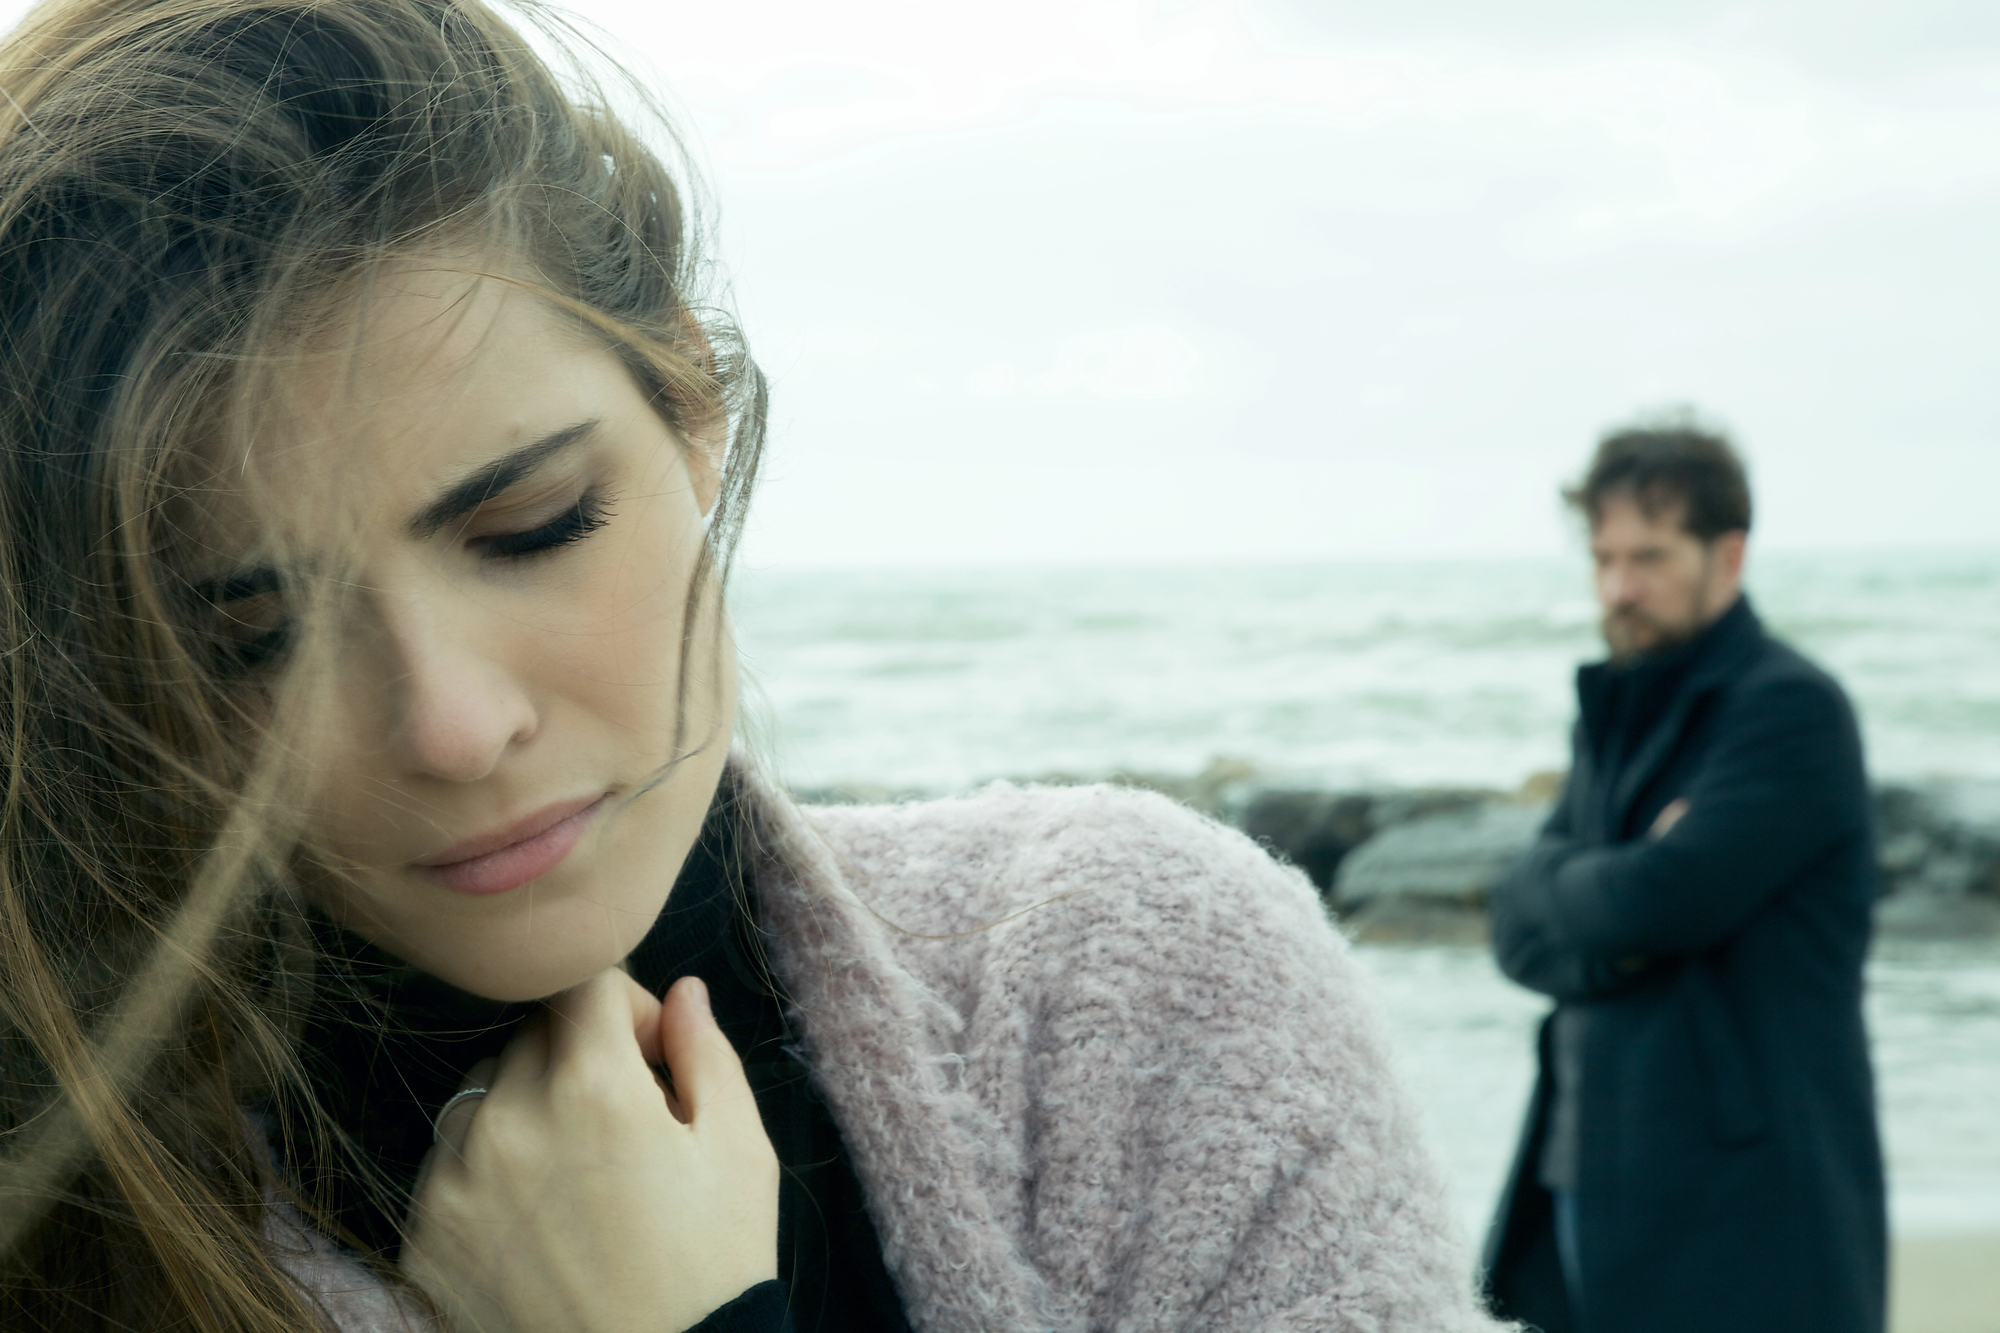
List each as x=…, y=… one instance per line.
x=1105, y=279
x=1129, y=280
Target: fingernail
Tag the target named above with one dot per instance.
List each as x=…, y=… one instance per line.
x=699, y=989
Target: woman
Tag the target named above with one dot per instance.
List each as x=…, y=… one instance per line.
x=389, y=935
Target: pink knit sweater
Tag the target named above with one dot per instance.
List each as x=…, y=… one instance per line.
x=1100, y=1064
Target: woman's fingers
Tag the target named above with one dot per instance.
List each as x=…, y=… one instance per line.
x=707, y=1075
x=574, y=1201
x=455, y=1120
x=598, y=1011
x=597, y=1019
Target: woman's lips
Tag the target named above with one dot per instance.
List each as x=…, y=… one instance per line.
x=525, y=850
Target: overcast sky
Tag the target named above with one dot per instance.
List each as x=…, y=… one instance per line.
x=1103, y=279
x=1130, y=280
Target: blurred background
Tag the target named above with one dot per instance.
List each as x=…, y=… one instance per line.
x=1180, y=392
x=1112, y=281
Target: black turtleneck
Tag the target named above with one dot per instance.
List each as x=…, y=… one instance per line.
x=386, y=1045
x=1621, y=704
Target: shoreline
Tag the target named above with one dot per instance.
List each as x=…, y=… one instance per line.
x=1944, y=1282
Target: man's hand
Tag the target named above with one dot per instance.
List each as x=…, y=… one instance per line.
x=1669, y=816
x=577, y=1198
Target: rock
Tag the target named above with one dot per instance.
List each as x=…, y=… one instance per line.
x=1450, y=858
x=1936, y=916
x=1417, y=921
x=1312, y=830
x=1414, y=865
x=1315, y=830
x=1394, y=808
x=1940, y=850
x=1542, y=788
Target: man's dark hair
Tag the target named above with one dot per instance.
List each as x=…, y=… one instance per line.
x=1667, y=463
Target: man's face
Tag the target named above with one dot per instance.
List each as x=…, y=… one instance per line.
x=1657, y=583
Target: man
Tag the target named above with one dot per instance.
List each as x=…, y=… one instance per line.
x=1701, y=1150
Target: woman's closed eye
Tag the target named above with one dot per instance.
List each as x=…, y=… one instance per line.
x=249, y=623
x=591, y=512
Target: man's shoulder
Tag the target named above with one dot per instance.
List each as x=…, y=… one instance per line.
x=1779, y=690
x=1777, y=670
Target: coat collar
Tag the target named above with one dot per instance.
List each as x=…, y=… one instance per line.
x=1707, y=663
x=1712, y=655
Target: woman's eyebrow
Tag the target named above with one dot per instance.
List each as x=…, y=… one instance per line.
x=490, y=479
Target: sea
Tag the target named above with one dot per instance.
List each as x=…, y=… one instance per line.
x=1420, y=674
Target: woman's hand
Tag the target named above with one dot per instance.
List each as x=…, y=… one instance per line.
x=576, y=1197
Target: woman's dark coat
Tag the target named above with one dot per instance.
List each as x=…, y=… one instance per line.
x=1728, y=1170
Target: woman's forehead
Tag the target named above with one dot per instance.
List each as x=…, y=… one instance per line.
x=434, y=369
x=413, y=331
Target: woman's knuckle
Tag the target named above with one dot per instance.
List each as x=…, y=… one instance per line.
x=585, y=1088
x=604, y=1100
x=506, y=1141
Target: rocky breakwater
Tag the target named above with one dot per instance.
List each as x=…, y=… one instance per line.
x=1940, y=845
x=1400, y=866
x=1415, y=866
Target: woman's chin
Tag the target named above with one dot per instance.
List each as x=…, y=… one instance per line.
x=537, y=977
x=540, y=938
x=529, y=959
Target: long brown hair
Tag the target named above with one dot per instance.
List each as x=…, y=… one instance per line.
x=185, y=186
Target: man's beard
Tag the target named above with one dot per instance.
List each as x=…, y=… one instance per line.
x=1631, y=634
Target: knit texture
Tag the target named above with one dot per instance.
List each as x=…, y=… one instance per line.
x=1100, y=1064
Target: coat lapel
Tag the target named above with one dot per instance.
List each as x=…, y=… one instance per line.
x=1734, y=637
x=1653, y=754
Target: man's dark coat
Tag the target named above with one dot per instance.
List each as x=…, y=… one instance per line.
x=1728, y=1172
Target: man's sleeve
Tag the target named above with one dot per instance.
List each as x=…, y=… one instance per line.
x=1525, y=951
x=1777, y=793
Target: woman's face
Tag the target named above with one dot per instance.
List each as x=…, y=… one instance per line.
x=499, y=803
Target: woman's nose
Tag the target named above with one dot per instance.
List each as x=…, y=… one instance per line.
x=458, y=708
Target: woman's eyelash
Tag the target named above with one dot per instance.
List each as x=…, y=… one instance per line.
x=246, y=635
x=573, y=524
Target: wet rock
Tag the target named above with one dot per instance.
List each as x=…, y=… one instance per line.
x=1940, y=849
x=1417, y=921
x=1936, y=916
x=1414, y=865
x=1312, y=830
x=1447, y=859
x=1315, y=830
